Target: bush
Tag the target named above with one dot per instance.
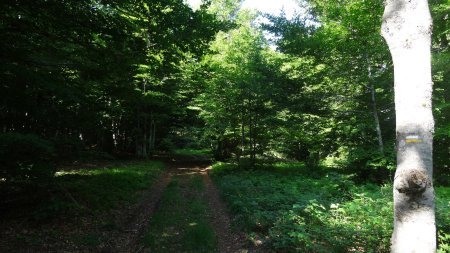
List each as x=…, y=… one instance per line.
x=167, y=145
x=368, y=164
x=25, y=158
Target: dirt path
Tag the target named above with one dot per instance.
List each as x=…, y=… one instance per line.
x=228, y=241
x=135, y=222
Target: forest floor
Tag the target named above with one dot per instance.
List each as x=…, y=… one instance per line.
x=174, y=206
x=180, y=212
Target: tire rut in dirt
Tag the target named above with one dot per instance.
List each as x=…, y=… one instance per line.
x=134, y=224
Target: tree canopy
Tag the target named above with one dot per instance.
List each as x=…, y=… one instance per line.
x=133, y=77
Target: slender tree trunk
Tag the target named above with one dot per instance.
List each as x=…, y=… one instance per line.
x=236, y=138
x=374, y=107
x=377, y=119
x=407, y=30
x=152, y=134
x=254, y=134
x=147, y=137
x=137, y=137
x=250, y=133
x=242, y=133
x=375, y=115
x=144, y=144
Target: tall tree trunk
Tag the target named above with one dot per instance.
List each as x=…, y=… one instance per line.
x=137, y=136
x=374, y=107
x=145, y=138
x=144, y=144
x=254, y=134
x=242, y=134
x=152, y=134
x=377, y=119
x=407, y=30
x=250, y=133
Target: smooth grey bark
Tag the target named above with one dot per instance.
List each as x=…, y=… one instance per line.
x=407, y=30
x=374, y=108
x=376, y=118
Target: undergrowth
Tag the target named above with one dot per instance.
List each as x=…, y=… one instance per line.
x=292, y=208
x=76, y=211
x=190, y=151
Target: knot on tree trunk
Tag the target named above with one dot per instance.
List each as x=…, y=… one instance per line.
x=412, y=182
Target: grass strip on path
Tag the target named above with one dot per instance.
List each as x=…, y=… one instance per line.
x=181, y=222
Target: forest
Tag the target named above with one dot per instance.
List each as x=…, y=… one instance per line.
x=220, y=128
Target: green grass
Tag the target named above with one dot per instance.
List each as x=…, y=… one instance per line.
x=89, y=240
x=197, y=183
x=78, y=209
x=181, y=222
x=292, y=208
x=189, y=151
x=97, y=190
